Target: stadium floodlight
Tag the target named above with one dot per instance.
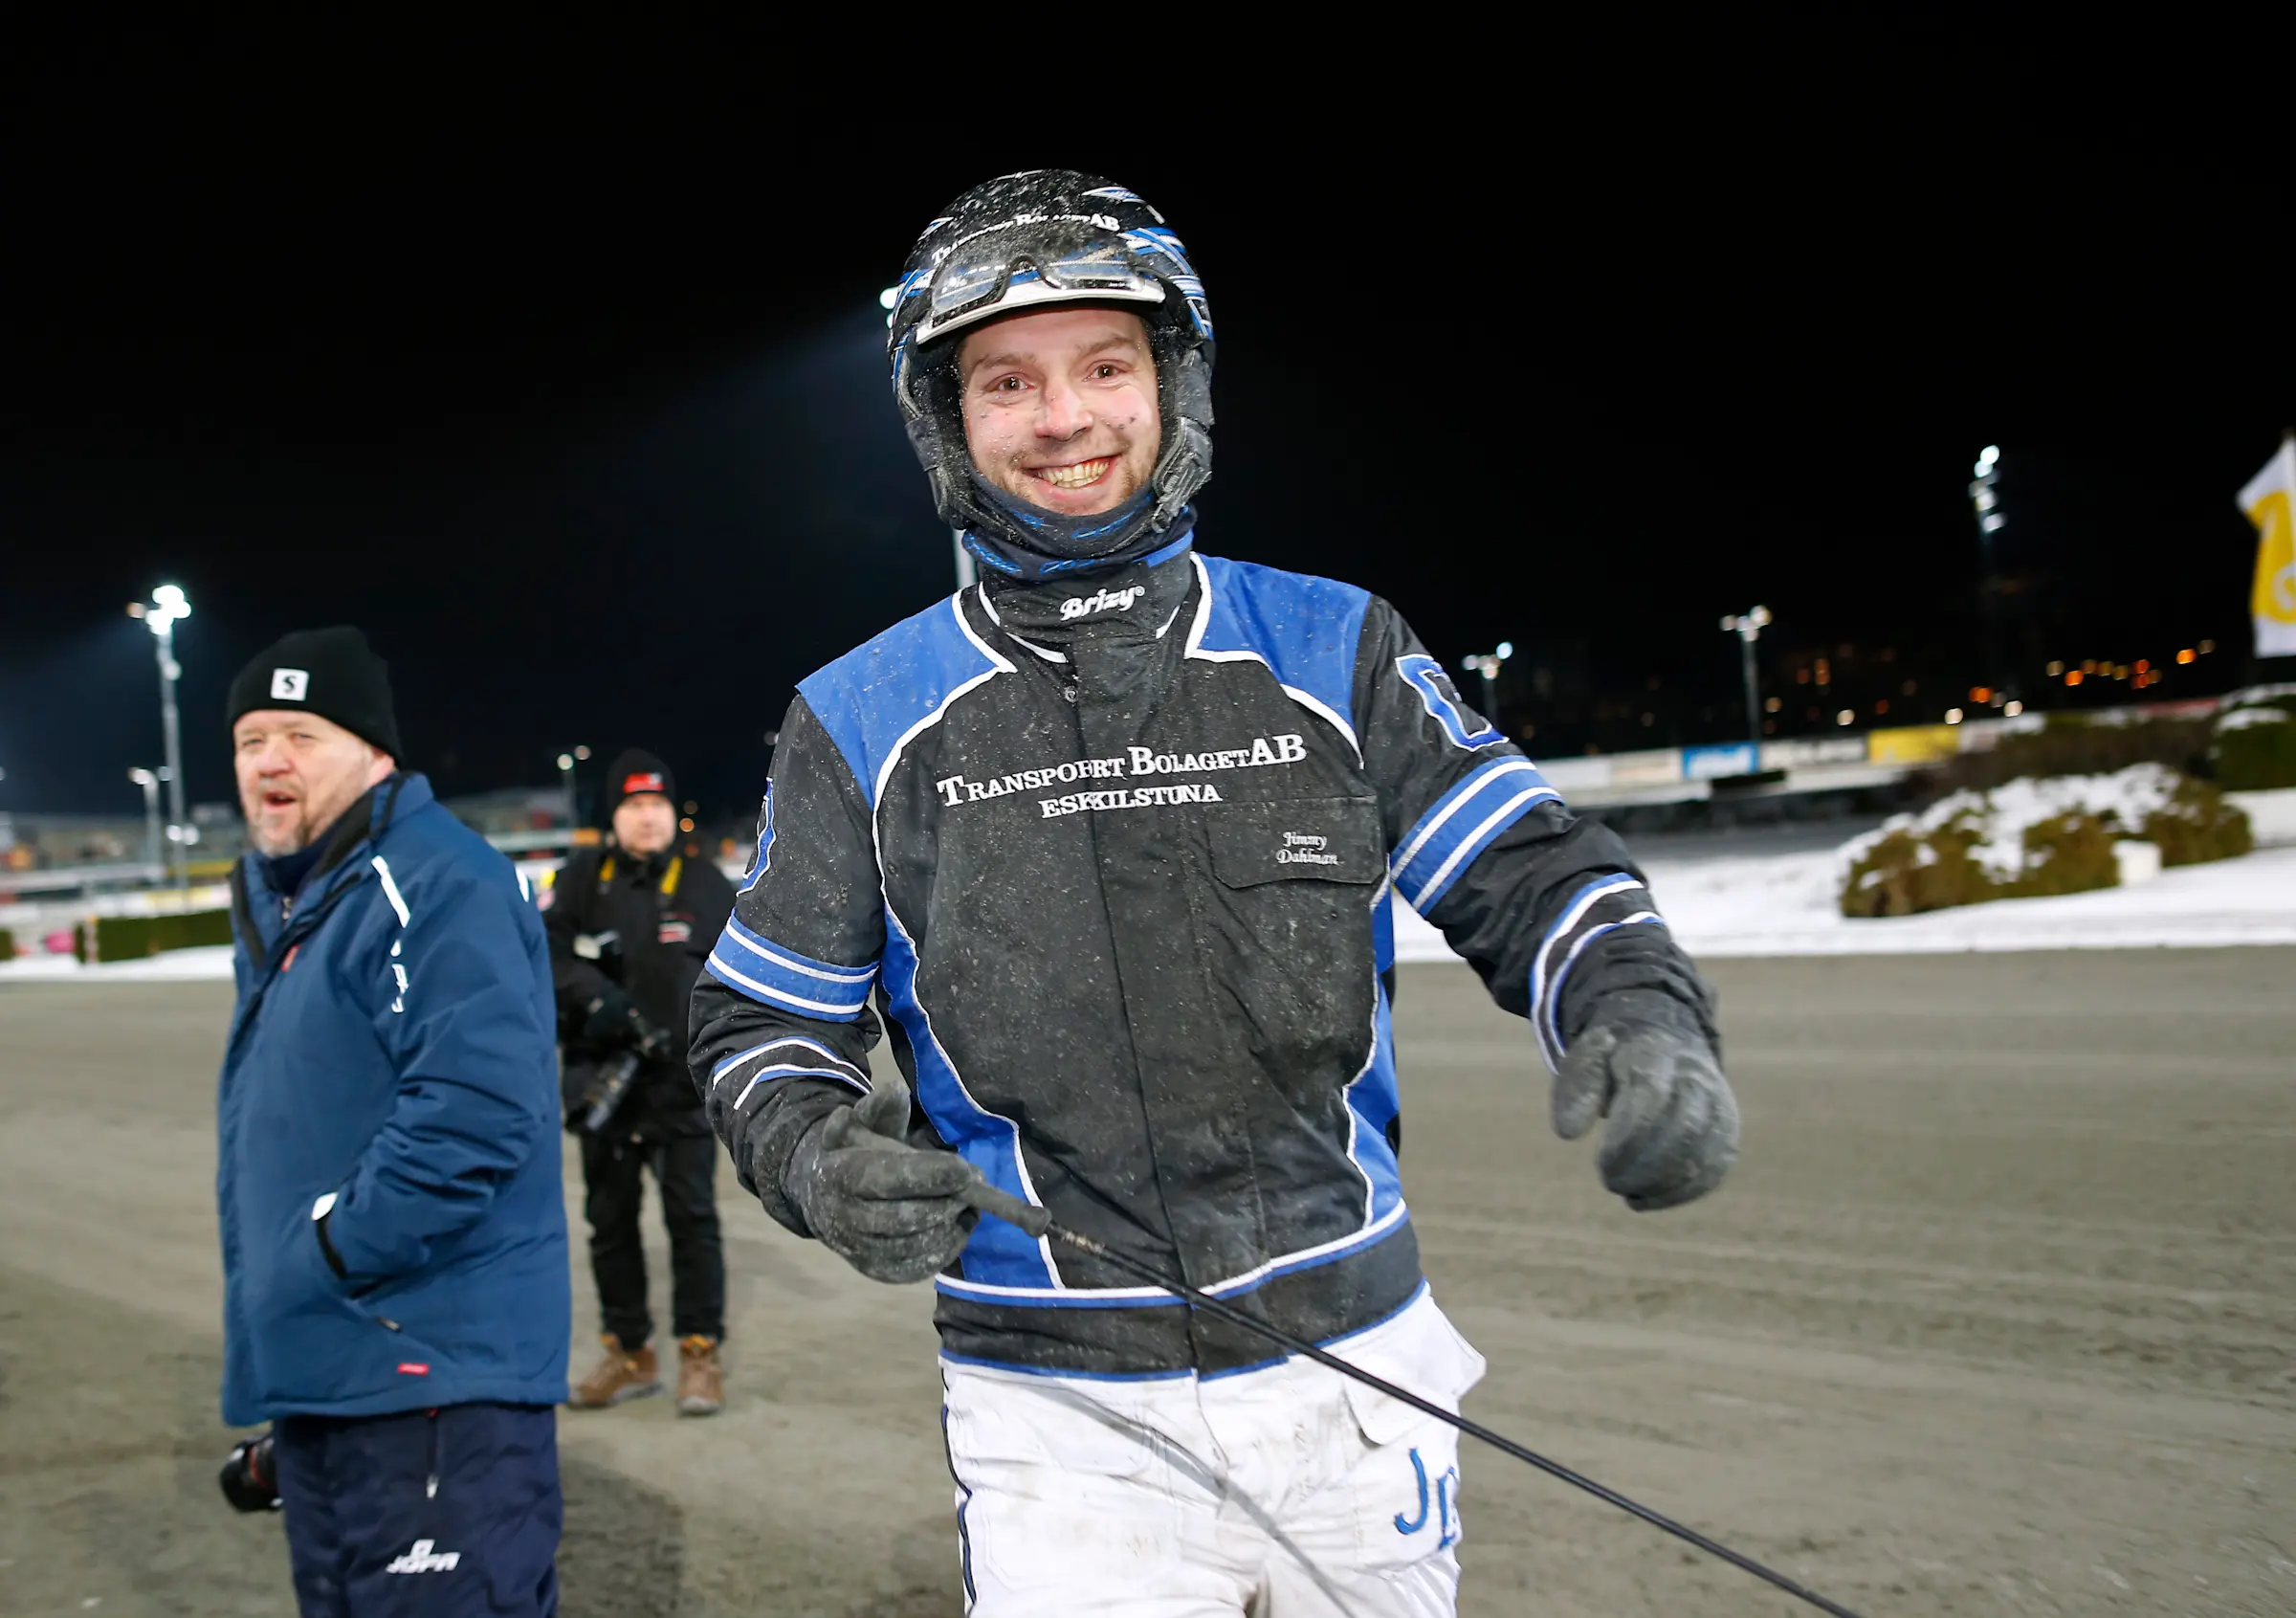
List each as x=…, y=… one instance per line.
x=1986, y=503
x=1748, y=626
x=1486, y=664
x=168, y=607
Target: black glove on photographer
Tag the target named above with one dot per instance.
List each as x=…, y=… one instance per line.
x=611, y=1021
x=1673, y=1123
x=891, y=1210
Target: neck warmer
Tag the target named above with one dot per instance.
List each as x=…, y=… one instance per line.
x=1060, y=547
x=1135, y=600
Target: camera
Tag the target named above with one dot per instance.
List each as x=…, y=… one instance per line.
x=249, y=1479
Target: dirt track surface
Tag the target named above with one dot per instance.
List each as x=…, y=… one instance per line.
x=1997, y=1316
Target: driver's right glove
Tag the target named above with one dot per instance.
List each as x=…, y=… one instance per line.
x=893, y=1212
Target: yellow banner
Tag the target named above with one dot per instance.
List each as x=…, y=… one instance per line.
x=1913, y=744
x=2270, y=502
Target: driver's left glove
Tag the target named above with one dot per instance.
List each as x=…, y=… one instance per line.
x=1671, y=1129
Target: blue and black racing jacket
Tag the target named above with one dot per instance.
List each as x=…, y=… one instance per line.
x=1112, y=862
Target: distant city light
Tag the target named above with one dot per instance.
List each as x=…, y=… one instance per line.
x=2206, y=646
x=2072, y=677
x=1980, y=695
x=1774, y=704
x=2012, y=709
x=1506, y=649
x=1953, y=716
x=1845, y=717
x=2186, y=656
x=2055, y=669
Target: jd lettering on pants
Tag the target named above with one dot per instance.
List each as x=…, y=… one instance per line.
x=1287, y=1490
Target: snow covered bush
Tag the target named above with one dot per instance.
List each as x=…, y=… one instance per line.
x=2196, y=825
x=2076, y=744
x=2031, y=837
x=2255, y=747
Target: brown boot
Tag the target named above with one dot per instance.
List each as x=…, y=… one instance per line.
x=701, y=1379
x=620, y=1375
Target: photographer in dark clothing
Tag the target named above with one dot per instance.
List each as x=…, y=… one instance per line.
x=629, y=925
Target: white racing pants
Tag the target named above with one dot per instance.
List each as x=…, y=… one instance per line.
x=1286, y=1492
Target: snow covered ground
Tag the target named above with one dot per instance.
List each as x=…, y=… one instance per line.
x=176, y=965
x=1784, y=904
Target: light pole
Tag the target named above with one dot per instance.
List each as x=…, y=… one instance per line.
x=967, y=570
x=1486, y=664
x=149, y=780
x=1987, y=504
x=1748, y=627
x=565, y=769
x=168, y=607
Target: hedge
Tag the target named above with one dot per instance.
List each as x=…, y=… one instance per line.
x=1940, y=859
x=2251, y=756
x=1905, y=874
x=2072, y=744
x=2198, y=825
x=133, y=937
x=8, y=945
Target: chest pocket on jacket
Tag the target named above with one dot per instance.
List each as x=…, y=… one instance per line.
x=1294, y=839
x=1286, y=931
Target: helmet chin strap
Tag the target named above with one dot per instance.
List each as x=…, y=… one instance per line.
x=1024, y=543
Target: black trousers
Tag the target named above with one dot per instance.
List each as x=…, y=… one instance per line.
x=452, y=1513
x=613, y=1174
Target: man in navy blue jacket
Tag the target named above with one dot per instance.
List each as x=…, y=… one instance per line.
x=394, y=1243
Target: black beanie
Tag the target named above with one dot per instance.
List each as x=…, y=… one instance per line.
x=635, y=770
x=330, y=673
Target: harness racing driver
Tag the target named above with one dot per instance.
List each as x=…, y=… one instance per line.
x=1111, y=838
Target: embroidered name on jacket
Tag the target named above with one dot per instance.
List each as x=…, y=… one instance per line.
x=1265, y=750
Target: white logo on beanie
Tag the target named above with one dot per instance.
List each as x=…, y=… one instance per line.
x=290, y=684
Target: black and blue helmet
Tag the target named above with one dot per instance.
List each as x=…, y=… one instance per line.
x=1050, y=235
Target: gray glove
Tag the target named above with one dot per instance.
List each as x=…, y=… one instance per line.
x=893, y=1212
x=1673, y=1129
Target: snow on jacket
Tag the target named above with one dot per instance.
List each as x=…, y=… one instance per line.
x=1116, y=866
x=392, y=1049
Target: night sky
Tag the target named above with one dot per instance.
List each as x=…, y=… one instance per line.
x=555, y=363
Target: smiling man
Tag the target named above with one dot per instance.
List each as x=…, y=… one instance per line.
x=1112, y=838
x=394, y=1243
